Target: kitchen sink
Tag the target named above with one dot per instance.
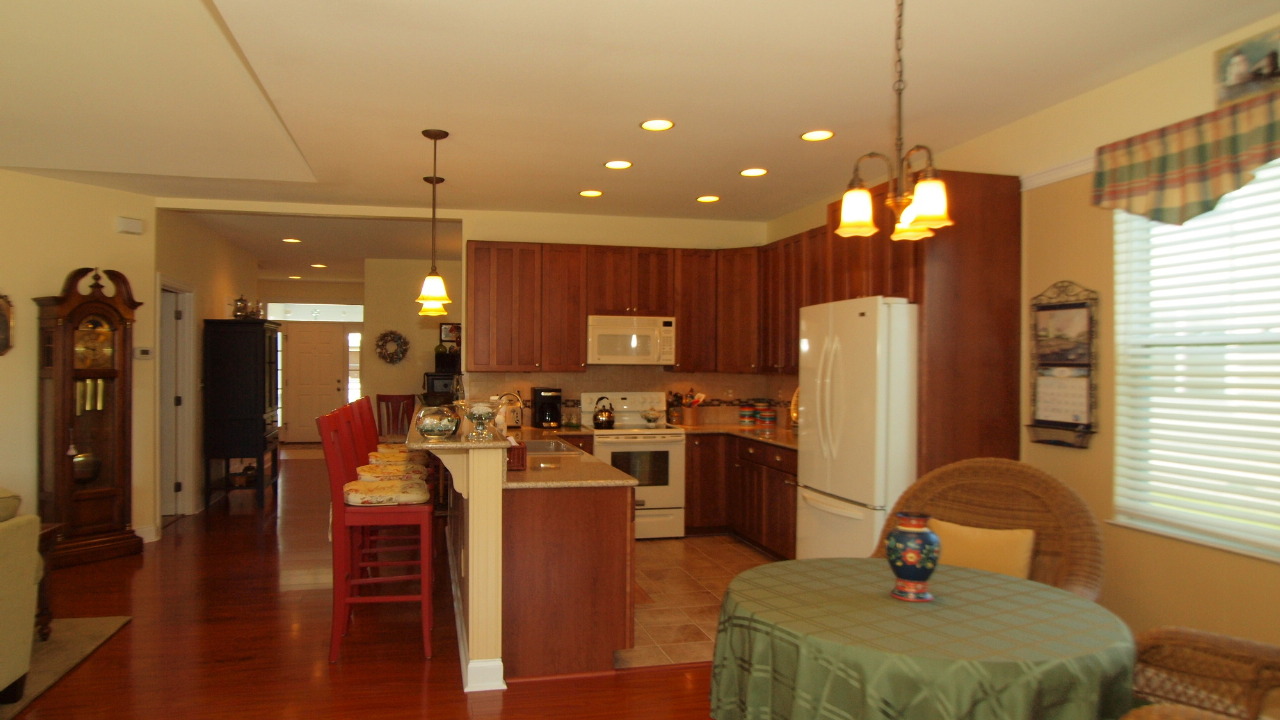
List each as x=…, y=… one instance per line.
x=549, y=447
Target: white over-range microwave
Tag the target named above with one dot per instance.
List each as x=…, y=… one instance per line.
x=630, y=340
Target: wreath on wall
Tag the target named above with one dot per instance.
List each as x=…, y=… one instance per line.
x=391, y=347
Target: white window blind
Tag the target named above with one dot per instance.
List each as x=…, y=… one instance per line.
x=1198, y=372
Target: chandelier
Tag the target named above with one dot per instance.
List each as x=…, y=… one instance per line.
x=918, y=199
x=433, y=295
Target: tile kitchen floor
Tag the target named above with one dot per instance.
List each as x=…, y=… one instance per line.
x=679, y=584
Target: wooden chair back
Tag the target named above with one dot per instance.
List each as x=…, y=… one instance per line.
x=394, y=414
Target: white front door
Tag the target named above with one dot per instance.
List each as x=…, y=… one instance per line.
x=315, y=376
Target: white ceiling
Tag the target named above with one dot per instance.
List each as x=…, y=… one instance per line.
x=324, y=101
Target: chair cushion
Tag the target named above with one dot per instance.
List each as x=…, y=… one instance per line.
x=403, y=471
x=1007, y=552
x=9, y=502
x=386, y=492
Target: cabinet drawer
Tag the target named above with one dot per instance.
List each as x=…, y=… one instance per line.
x=778, y=458
x=585, y=443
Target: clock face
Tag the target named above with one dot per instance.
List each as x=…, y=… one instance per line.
x=95, y=344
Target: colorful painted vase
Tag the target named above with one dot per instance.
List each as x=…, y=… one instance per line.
x=912, y=549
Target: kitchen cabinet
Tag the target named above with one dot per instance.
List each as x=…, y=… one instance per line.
x=706, y=459
x=630, y=280
x=971, y=319
x=242, y=399
x=585, y=443
x=772, y=475
x=738, y=310
x=695, y=310
x=564, y=315
x=781, y=280
x=869, y=266
x=504, y=293
x=567, y=578
x=743, y=497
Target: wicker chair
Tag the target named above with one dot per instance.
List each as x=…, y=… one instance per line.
x=1194, y=674
x=1006, y=494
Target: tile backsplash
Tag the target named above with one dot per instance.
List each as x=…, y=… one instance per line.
x=721, y=389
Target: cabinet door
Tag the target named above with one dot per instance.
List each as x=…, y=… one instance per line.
x=704, y=490
x=695, y=310
x=610, y=275
x=778, y=510
x=564, y=312
x=781, y=280
x=504, y=293
x=653, y=281
x=737, y=310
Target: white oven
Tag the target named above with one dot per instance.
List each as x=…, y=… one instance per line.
x=652, y=453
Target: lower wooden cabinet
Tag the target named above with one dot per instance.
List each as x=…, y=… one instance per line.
x=760, y=495
x=706, y=457
x=585, y=443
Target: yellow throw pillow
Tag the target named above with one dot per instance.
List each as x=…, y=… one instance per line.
x=1007, y=552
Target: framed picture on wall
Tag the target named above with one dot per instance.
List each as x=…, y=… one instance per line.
x=1250, y=67
x=450, y=332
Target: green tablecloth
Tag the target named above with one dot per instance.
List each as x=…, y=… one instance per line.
x=822, y=639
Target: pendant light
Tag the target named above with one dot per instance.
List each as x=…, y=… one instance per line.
x=433, y=295
x=919, y=203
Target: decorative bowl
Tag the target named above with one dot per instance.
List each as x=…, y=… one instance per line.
x=436, y=422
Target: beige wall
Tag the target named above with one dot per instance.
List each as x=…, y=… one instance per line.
x=47, y=229
x=302, y=291
x=390, y=288
x=194, y=259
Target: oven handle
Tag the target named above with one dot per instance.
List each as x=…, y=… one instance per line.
x=632, y=439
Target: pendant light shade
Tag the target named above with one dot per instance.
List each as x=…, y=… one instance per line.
x=930, y=202
x=433, y=295
x=856, y=218
x=433, y=289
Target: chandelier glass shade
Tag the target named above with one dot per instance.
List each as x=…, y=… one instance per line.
x=434, y=294
x=918, y=198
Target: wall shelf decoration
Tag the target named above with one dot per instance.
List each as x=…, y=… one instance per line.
x=1063, y=365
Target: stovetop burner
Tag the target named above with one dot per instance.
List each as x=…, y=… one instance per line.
x=628, y=412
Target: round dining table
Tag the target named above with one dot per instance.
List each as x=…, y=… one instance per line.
x=823, y=639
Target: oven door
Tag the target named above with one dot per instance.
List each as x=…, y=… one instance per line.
x=657, y=462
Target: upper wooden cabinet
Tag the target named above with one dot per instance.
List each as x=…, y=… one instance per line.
x=782, y=285
x=695, y=310
x=564, y=314
x=504, y=307
x=738, y=310
x=630, y=281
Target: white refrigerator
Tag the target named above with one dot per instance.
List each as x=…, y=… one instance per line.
x=857, y=422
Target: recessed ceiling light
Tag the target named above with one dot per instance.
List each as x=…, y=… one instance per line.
x=618, y=164
x=753, y=172
x=591, y=193
x=709, y=199
x=291, y=240
x=657, y=125
x=319, y=265
x=295, y=277
x=817, y=135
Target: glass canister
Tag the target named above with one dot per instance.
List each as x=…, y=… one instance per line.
x=436, y=422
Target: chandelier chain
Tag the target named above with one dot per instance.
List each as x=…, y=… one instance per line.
x=900, y=84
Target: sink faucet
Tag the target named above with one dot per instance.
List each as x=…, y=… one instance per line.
x=514, y=413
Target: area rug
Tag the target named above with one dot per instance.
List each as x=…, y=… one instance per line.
x=72, y=640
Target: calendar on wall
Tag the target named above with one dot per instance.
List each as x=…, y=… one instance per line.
x=1063, y=357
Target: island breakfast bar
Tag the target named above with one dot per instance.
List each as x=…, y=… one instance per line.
x=514, y=539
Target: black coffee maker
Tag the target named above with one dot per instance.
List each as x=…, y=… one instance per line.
x=546, y=407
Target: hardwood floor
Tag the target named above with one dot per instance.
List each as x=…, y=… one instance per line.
x=231, y=620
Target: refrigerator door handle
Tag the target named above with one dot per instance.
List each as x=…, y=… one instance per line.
x=845, y=508
x=822, y=402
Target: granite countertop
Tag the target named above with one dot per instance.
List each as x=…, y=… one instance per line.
x=782, y=437
x=572, y=468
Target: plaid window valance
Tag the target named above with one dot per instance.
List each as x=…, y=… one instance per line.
x=1177, y=172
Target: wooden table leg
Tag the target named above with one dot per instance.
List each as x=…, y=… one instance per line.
x=49, y=534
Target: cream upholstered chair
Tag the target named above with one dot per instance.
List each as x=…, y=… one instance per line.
x=1200, y=675
x=1001, y=494
x=20, y=570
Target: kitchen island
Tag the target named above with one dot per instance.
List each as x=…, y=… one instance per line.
x=539, y=559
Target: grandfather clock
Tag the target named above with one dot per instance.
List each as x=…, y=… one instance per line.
x=86, y=348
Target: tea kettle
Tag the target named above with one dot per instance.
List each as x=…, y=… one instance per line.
x=602, y=419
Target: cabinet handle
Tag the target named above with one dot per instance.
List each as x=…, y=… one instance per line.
x=751, y=451
x=777, y=458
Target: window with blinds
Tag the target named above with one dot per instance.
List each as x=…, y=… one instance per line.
x=1198, y=372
